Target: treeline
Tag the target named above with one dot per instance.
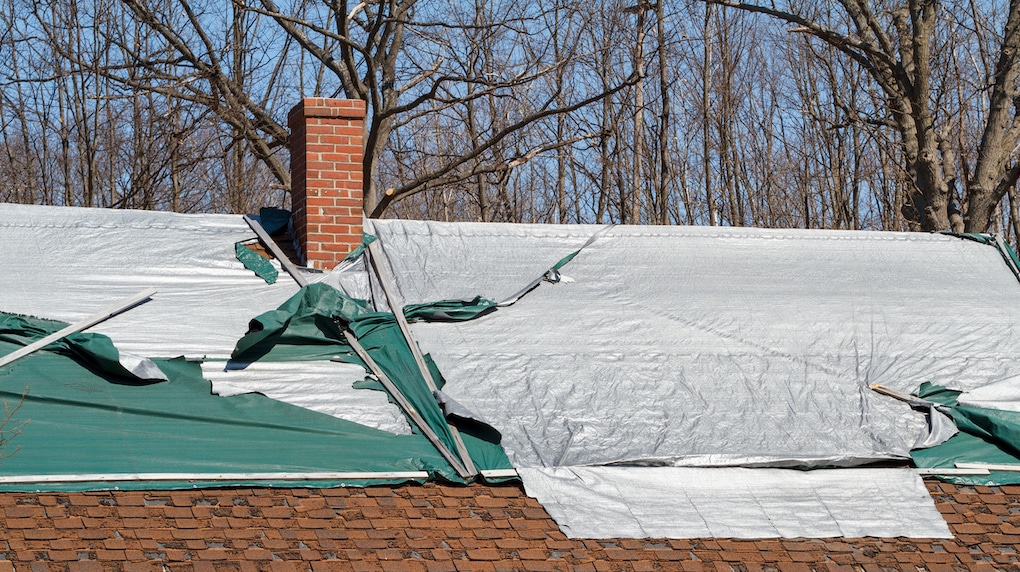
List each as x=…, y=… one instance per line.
x=847, y=114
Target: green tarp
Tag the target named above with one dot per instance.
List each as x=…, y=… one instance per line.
x=304, y=327
x=257, y=263
x=94, y=350
x=309, y=326
x=990, y=436
x=80, y=412
x=77, y=419
x=273, y=221
x=986, y=436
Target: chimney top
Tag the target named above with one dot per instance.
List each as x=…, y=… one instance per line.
x=327, y=182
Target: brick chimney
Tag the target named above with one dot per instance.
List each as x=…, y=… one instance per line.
x=326, y=178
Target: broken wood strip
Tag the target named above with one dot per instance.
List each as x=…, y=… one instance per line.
x=374, y=250
x=121, y=477
x=1011, y=468
x=953, y=472
x=277, y=252
x=375, y=256
x=499, y=473
x=462, y=449
x=404, y=404
x=893, y=393
x=100, y=316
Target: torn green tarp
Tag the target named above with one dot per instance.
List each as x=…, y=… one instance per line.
x=80, y=421
x=302, y=328
x=306, y=327
x=257, y=263
x=449, y=310
x=273, y=221
x=380, y=335
x=366, y=239
x=986, y=436
x=95, y=351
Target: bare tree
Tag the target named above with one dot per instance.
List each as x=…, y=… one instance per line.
x=895, y=115
x=898, y=47
x=390, y=54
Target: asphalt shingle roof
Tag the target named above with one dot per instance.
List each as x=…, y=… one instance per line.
x=441, y=528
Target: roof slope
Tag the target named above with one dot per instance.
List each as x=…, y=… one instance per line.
x=439, y=529
x=648, y=346
x=707, y=347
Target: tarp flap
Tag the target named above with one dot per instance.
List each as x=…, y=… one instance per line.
x=986, y=436
x=302, y=328
x=323, y=386
x=78, y=422
x=257, y=263
x=668, y=502
x=305, y=327
x=381, y=338
x=449, y=310
x=95, y=351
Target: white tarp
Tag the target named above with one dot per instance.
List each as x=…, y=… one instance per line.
x=322, y=386
x=710, y=347
x=1003, y=394
x=64, y=263
x=672, y=502
x=707, y=346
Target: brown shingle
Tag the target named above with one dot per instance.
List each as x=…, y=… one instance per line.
x=434, y=527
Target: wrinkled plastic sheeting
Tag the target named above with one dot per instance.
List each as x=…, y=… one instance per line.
x=322, y=386
x=443, y=261
x=96, y=351
x=350, y=277
x=707, y=346
x=668, y=502
x=1003, y=394
x=65, y=263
